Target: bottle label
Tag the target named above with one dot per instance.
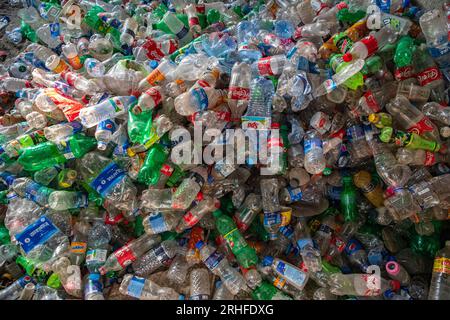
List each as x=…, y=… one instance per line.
x=155, y=95
x=136, y=286
x=224, y=169
x=193, y=21
x=339, y=243
x=368, y=188
x=294, y=193
x=239, y=93
x=404, y=73
x=107, y=125
x=371, y=102
x=325, y=229
x=384, y=5
x=429, y=75
x=352, y=247
x=64, y=148
x=213, y=260
x=36, y=234
x=107, y=179
x=272, y=219
x=199, y=297
x=161, y=255
x=264, y=67
x=430, y=158
x=371, y=44
x=157, y=223
x=311, y=144
x=125, y=256
x=437, y=52
x=279, y=282
x=301, y=243
x=37, y=193
x=255, y=122
x=190, y=219
x=155, y=76
x=424, y=125
x=54, y=29
x=292, y=275
x=93, y=286
x=167, y=170
x=201, y=98
x=96, y=256
x=182, y=33
x=78, y=247
x=235, y=239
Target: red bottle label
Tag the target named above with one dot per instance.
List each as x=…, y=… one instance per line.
x=264, y=67
x=153, y=51
x=203, y=84
x=239, y=93
x=429, y=75
x=155, y=95
x=193, y=21
x=190, y=219
x=166, y=170
x=422, y=126
x=125, y=256
x=371, y=44
x=404, y=73
x=430, y=158
x=371, y=102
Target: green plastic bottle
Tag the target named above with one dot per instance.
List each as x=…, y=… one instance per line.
x=337, y=64
x=345, y=15
x=372, y=65
x=49, y=154
x=28, y=32
x=404, y=52
x=139, y=126
x=245, y=255
x=30, y=268
x=348, y=199
x=267, y=291
x=92, y=20
x=150, y=171
x=4, y=235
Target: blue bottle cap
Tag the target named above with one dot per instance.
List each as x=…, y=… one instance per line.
x=94, y=276
x=153, y=64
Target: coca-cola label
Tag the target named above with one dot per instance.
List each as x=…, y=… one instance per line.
x=153, y=50
x=430, y=158
x=429, y=75
x=404, y=73
x=422, y=126
x=239, y=93
x=371, y=102
x=264, y=67
x=125, y=256
x=166, y=170
x=155, y=95
x=190, y=219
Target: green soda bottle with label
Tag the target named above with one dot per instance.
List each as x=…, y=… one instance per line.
x=49, y=154
x=245, y=255
x=267, y=291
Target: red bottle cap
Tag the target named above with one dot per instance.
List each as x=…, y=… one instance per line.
x=347, y=57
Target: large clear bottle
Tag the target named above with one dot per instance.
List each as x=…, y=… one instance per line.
x=440, y=281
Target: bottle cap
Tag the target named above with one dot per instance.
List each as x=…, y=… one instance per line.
x=373, y=117
x=347, y=57
x=392, y=268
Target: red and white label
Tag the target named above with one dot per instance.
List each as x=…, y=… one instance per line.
x=429, y=75
x=166, y=170
x=155, y=95
x=371, y=102
x=264, y=67
x=153, y=51
x=239, y=93
x=190, y=219
x=371, y=44
x=275, y=142
x=404, y=73
x=422, y=126
x=125, y=256
x=430, y=158
x=193, y=21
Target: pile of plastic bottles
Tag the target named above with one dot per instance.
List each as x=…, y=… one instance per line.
x=349, y=99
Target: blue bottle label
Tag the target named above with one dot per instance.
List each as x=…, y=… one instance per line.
x=272, y=218
x=64, y=148
x=37, y=193
x=96, y=256
x=182, y=33
x=54, y=29
x=301, y=243
x=23, y=281
x=294, y=193
x=355, y=133
x=384, y=5
x=107, y=179
x=36, y=234
x=287, y=231
x=352, y=247
x=135, y=287
x=291, y=274
x=201, y=98
x=7, y=178
x=157, y=223
x=213, y=260
x=161, y=255
x=311, y=144
x=107, y=125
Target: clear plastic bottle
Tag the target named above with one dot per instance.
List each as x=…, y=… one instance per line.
x=239, y=89
x=63, y=200
x=104, y=133
x=219, y=265
x=183, y=34
x=314, y=159
x=124, y=256
x=93, y=287
x=178, y=270
x=440, y=284
x=155, y=258
x=311, y=255
x=108, y=109
x=200, y=284
x=193, y=216
x=289, y=272
x=146, y=289
x=189, y=188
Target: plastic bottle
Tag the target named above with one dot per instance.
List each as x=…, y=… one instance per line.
x=439, y=289
x=155, y=258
